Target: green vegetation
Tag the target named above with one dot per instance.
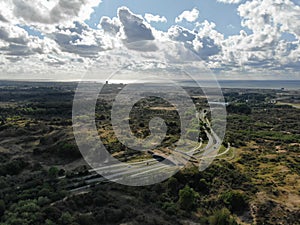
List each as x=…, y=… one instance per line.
x=44, y=181
x=187, y=198
x=235, y=200
x=13, y=167
x=222, y=217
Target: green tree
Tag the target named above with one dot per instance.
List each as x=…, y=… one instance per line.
x=53, y=172
x=187, y=198
x=66, y=219
x=24, y=212
x=172, y=186
x=235, y=200
x=2, y=208
x=170, y=208
x=49, y=222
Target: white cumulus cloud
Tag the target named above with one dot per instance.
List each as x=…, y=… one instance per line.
x=81, y=40
x=46, y=12
x=133, y=26
x=155, y=18
x=189, y=16
x=16, y=43
x=205, y=42
x=109, y=25
x=268, y=43
x=261, y=14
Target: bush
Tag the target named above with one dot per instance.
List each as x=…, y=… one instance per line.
x=2, y=208
x=86, y=220
x=203, y=186
x=172, y=186
x=68, y=150
x=24, y=212
x=170, y=208
x=53, y=172
x=240, y=108
x=13, y=168
x=66, y=219
x=236, y=201
x=222, y=217
x=187, y=198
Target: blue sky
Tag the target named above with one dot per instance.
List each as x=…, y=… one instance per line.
x=223, y=15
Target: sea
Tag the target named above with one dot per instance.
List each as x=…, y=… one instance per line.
x=247, y=84
x=250, y=84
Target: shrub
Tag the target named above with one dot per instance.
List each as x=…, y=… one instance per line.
x=66, y=219
x=170, y=208
x=222, y=217
x=187, y=198
x=13, y=168
x=2, y=208
x=235, y=200
x=24, y=212
x=240, y=108
x=172, y=186
x=53, y=172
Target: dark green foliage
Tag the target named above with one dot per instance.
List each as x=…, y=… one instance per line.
x=68, y=150
x=2, y=208
x=53, y=172
x=52, y=213
x=45, y=114
x=86, y=219
x=203, y=186
x=13, y=168
x=188, y=198
x=24, y=212
x=170, y=208
x=222, y=217
x=239, y=109
x=236, y=201
x=173, y=186
x=66, y=219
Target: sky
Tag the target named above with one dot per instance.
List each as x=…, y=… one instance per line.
x=170, y=9
x=234, y=39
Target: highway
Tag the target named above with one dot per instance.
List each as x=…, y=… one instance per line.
x=152, y=167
